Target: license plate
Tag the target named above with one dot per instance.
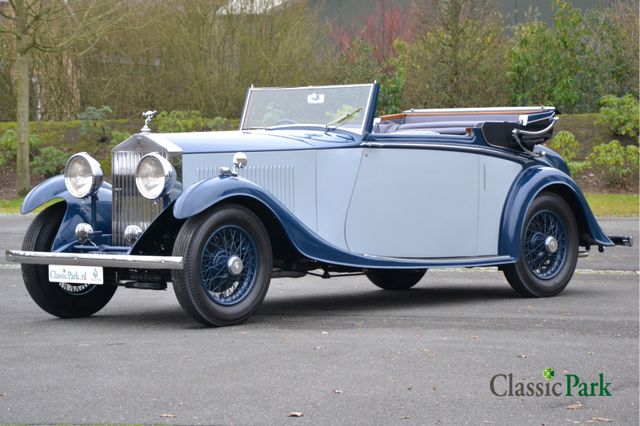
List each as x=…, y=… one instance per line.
x=76, y=274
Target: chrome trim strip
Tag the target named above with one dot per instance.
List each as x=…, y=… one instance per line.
x=516, y=156
x=536, y=133
x=489, y=109
x=426, y=145
x=542, y=119
x=91, y=259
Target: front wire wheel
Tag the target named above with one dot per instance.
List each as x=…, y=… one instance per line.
x=548, y=249
x=60, y=299
x=227, y=262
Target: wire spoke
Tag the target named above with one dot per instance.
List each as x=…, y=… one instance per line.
x=540, y=261
x=221, y=285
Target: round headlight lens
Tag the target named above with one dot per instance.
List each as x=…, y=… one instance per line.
x=82, y=175
x=155, y=176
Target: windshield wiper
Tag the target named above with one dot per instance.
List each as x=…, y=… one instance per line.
x=342, y=118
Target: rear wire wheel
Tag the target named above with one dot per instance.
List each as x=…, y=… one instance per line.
x=227, y=262
x=548, y=249
x=63, y=300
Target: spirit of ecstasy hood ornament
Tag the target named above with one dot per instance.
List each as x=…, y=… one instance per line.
x=148, y=116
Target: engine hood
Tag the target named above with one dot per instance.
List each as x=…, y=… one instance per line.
x=254, y=140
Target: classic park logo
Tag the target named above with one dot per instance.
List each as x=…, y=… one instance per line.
x=566, y=385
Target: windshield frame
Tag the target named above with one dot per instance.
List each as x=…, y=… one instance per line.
x=315, y=126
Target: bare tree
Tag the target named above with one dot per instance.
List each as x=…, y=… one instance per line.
x=48, y=26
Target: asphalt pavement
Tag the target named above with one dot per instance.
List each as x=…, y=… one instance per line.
x=337, y=351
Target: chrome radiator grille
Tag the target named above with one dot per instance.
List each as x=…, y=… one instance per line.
x=129, y=207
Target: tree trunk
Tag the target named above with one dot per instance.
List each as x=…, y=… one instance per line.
x=22, y=95
x=22, y=113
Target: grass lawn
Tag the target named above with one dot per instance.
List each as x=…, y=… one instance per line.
x=12, y=206
x=625, y=205
x=614, y=204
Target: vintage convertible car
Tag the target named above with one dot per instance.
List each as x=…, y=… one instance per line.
x=316, y=183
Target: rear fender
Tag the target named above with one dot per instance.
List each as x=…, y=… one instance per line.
x=527, y=186
x=94, y=210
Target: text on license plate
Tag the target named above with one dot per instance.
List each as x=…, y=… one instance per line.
x=76, y=274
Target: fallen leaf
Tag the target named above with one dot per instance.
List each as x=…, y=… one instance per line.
x=168, y=415
x=296, y=414
x=575, y=406
x=405, y=418
x=601, y=419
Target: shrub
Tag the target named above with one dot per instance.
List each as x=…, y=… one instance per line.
x=9, y=146
x=577, y=168
x=218, y=123
x=118, y=136
x=93, y=122
x=180, y=121
x=565, y=144
x=95, y=114
x=615, y=162
x=49, y=161
x=620, y=114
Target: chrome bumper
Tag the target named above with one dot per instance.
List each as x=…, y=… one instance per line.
x=89, y=259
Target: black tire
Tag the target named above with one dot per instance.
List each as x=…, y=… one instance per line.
x=205, y=287
x=540, y=272
x=395, y=279
x=73, y=302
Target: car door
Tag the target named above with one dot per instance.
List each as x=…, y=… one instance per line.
x=414, y=203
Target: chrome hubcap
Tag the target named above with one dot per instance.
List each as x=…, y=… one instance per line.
x=234, y=265
x=551, y=244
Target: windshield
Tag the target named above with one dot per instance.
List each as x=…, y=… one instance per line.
x=331, y=107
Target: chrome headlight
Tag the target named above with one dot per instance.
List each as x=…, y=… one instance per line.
x=82, y=175
x=155, y=176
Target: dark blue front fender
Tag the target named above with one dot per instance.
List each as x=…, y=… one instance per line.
x=531, y=182
x=95, y=210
